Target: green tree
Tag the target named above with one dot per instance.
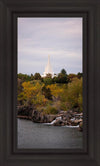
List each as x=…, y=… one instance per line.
x=48, y=75
x=47, y=92
x=24, y=77
x=47, y=80
x=71, y=76
x=63, y=71
x=62, y=78
x=55, y=79
x=32, y=77
x=79, y=75
x=37, y=76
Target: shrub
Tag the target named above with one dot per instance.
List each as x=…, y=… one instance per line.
x=63, y=106
x=57, y=105
x=50, y=110
x=47, y=80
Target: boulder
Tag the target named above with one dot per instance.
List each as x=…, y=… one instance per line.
x=50, y=118
x=68, y=116
x=75, y=122
x=81, y=126
x=58, y=122
x=39, y=117
x=24, y=111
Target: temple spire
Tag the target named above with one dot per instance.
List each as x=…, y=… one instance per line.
x=48, y=68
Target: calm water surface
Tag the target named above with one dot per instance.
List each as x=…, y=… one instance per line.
x=36, y=135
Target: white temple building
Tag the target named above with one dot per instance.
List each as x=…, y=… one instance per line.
x=48, y=69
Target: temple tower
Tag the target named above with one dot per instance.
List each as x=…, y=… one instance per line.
x=48, y=68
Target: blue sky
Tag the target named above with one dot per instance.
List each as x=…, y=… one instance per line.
x=61, y=38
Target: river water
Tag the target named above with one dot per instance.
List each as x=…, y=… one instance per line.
x=35, y=135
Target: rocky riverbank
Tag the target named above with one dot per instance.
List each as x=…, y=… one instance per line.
x=62, y=118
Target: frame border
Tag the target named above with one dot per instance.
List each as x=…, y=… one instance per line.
x=51, y=14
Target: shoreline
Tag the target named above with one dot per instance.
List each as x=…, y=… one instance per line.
x=57, y=120
x=48, y=124
x=24, y=117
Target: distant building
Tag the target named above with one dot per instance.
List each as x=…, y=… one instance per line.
x=48, y=69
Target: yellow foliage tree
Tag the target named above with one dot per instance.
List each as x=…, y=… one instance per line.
x=64, y=96
x=74, y=94
x=32, y=93
x=56, y=90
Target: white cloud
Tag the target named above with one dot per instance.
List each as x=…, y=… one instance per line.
x=59, y=37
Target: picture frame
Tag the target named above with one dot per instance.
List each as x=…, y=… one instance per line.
x=90, y=11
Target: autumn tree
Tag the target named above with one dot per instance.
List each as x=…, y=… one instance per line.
x=55, y=90
x=74, y=94
x=32, y=94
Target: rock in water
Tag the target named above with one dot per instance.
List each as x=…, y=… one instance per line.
x=58, y=122
x=81, y=126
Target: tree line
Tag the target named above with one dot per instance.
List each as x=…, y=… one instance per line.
x=62, y=77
